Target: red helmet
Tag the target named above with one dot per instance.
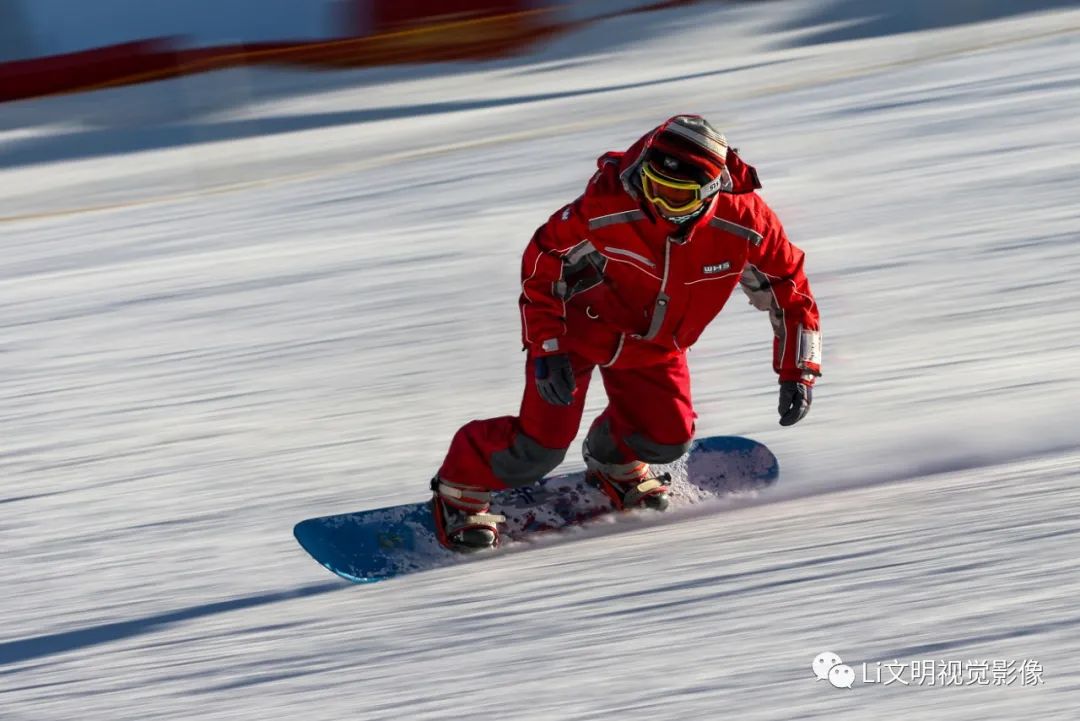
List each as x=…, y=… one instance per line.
x=684, y=165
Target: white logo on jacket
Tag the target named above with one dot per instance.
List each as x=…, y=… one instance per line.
x=716, y=268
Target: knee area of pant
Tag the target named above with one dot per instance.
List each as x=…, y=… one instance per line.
x=649, y=451
x=525, y=463
x=549, y=460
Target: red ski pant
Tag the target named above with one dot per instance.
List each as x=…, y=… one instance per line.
x=649, y=418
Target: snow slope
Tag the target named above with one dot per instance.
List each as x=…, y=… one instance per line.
x=302, y=285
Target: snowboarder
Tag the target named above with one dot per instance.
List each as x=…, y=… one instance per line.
x=625, y=278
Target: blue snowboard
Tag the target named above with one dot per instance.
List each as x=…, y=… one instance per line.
x=374, y=545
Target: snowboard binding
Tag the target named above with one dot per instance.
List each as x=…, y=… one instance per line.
x=645, y=492
x=462, y=521
x=627, y=485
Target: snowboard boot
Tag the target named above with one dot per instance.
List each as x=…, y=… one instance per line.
x=462, y=521
x=628, y=485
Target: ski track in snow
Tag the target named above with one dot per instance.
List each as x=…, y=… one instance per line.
x=330, y=293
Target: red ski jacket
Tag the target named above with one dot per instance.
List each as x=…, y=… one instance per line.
x=608, y=279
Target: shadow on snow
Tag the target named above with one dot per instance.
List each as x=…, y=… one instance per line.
x=27, y=649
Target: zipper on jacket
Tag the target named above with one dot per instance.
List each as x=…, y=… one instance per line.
x=662, y=298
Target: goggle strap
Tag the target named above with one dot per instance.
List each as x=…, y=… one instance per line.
x=714, y=186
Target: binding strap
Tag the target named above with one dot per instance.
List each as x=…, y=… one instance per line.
x=467, y=499
x=631, y=497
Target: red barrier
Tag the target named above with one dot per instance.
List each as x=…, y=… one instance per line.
x=474, y=39
x=60, y=73
x=440, y=30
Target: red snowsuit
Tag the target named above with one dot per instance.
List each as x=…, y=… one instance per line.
x=615, y=286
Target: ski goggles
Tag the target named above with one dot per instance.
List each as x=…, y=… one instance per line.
x=671, y=194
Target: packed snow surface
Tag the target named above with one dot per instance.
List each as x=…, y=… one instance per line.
x=237, y=300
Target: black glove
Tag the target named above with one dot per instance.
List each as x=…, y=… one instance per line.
x=794, y=402
x=555, y=379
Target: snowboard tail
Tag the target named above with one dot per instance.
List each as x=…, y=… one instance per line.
x=377, y=544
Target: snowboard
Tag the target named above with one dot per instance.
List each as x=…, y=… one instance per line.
x=382, y=543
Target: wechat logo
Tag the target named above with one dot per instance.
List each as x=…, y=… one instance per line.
x=827, y=666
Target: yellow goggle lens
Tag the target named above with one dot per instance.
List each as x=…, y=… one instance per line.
x=674, y=196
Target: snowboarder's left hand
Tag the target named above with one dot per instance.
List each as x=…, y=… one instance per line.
x=795, y=397
x=555, y=379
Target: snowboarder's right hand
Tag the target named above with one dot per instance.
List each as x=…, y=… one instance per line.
x=555, y=379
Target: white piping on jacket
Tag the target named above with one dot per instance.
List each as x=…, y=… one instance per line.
x=631, y=254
